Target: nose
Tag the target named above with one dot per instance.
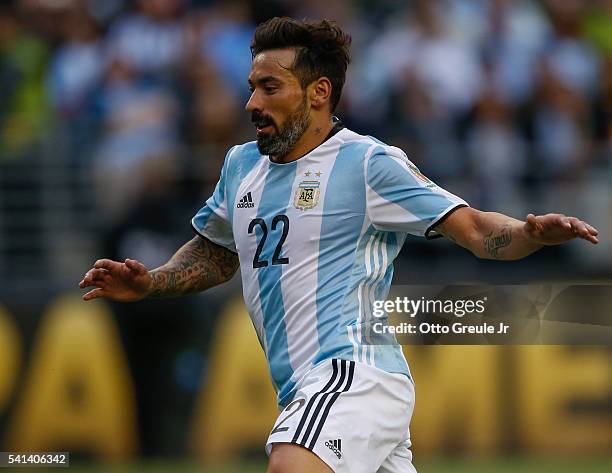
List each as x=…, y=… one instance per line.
x=253, y=103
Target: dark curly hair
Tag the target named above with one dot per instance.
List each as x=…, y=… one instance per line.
x=322, y=49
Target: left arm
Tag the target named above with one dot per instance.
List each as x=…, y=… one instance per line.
x=492, y=235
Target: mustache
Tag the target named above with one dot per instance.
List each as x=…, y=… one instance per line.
x=261, y=120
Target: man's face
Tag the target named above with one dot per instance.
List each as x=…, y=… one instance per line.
x=278, y=105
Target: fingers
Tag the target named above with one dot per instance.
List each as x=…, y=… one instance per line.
x=588, y=237
x=531, y=220
x=103, y=268
x=95, y=294
x=94, y=277
x=584, y=230
x=574, y=227
x=563, y=221
x=136, y=266
x=550, y=220
x=592, y=230
x=578, y=227
x=107, y=274
x=532, y=225
x=107, y=264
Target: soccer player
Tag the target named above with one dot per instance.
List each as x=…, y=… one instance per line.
x=314, y=214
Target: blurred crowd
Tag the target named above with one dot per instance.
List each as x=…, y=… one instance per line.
x=505, y=93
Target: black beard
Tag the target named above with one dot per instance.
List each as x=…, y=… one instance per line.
x=283, y=141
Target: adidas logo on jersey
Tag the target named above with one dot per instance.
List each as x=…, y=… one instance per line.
x=246, y=202
x=335, y=446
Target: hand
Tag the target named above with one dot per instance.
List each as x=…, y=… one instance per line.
x=553, y=229
x=124, y=282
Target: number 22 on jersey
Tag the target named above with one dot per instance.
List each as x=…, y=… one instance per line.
x=276, y=257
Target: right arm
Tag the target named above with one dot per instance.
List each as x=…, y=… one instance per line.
x=492, y=235
x=198, y=265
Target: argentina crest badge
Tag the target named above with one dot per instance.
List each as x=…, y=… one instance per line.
x=307, y=195
x=420, y=176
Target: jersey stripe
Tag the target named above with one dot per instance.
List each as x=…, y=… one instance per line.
x=339, y=236
x=302, y=331
x=277, y=190
x=380, y=263
x=242, y=161
x=409, y=204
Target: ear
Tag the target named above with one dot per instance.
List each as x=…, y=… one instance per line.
x=320, y=92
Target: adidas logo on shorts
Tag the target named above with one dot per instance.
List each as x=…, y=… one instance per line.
x=335, y=446
x=246, y=202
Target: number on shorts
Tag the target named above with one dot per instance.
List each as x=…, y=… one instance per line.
x=300, y=403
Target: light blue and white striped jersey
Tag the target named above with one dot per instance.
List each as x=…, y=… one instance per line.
x=316, y=239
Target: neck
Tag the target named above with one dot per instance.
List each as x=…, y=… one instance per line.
x=314, y=135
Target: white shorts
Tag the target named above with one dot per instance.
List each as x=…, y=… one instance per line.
x=353, y=416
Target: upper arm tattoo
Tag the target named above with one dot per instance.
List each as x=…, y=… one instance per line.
x=197, y=265
x=494, y=241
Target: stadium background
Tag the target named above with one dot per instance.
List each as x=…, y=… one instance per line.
x=114, y=119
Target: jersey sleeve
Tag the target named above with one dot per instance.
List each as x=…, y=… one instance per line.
x=213, y=220
x=400, y=198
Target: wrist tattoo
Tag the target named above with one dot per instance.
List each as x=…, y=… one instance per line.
x=494, y=242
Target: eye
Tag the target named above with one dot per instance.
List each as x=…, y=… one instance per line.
x=270, y=89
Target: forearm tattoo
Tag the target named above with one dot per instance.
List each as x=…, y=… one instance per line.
x=197, y=265
x=495, y=241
